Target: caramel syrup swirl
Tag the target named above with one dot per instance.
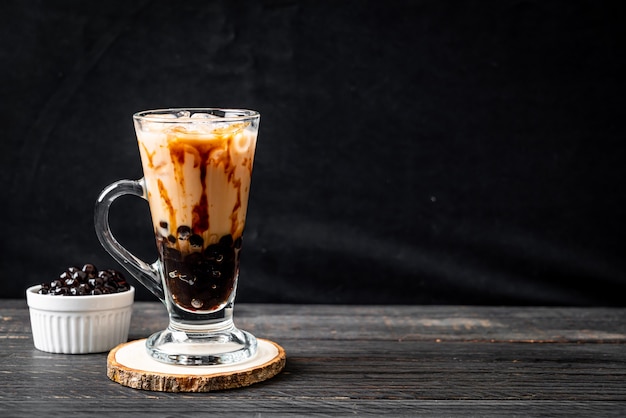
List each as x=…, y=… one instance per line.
x=207, y=151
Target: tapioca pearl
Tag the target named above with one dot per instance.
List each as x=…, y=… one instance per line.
x=183, y=232
x=90, y=269
x=111, y=283
x=171, y=239
x=95, y=281
x=163, y=224
x=103, y=274
x=70, y=281
x=197, y=303
x=62, y=290
x=196, y=241
x=78, y=275
x=117, y=276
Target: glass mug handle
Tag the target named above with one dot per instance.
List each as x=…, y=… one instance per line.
x=146, y=274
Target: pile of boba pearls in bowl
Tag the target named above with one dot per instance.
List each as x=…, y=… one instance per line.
x=82, y=310
x=85, y=281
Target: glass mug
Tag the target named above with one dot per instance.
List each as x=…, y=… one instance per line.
x=197, y=166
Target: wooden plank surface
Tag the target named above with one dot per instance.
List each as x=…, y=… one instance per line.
x=366, y=360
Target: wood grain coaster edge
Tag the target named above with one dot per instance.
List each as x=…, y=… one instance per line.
x=163, y=382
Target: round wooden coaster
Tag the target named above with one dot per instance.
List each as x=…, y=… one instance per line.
x=130, y=365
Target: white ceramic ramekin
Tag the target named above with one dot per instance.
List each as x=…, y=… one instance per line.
x=79, y=324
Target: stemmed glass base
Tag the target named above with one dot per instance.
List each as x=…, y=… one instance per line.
x=202, y=348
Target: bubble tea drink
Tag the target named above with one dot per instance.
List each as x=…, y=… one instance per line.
x=197, y=166
x=197, y=180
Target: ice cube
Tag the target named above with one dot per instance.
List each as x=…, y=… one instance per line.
x=241, y=142
x=154, y=122
x=202, y=115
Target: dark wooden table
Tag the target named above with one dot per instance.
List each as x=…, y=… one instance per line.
x=355, y=360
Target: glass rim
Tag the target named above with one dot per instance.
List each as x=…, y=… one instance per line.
x=224, y=115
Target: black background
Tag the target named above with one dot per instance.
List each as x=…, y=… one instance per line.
x=410, y=151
